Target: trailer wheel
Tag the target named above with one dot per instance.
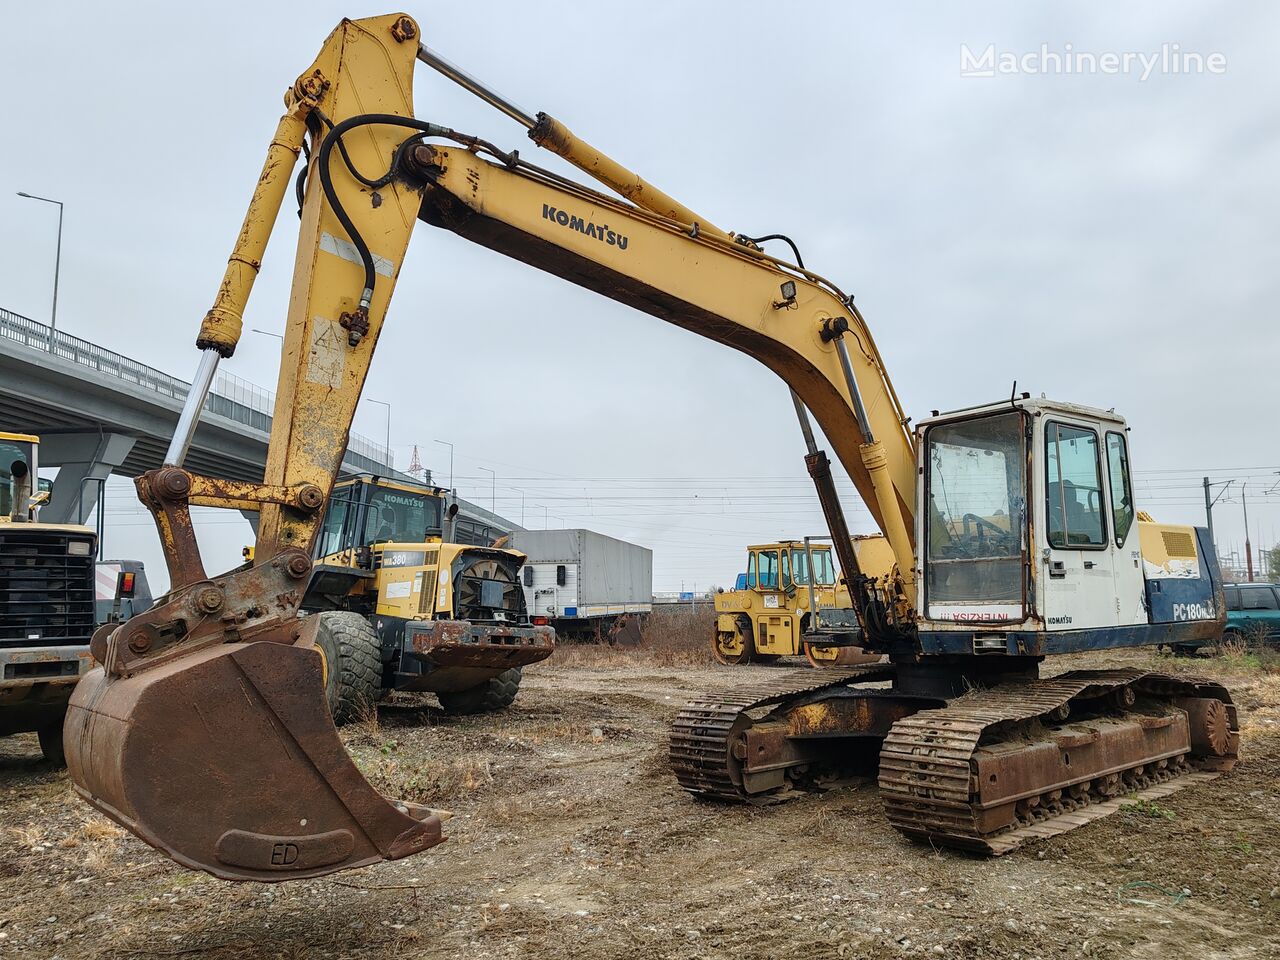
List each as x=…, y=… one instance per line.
x=494, y=694
x=352, y=661
x=50, y=737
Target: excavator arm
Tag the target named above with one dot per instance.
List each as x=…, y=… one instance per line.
x=204, y=730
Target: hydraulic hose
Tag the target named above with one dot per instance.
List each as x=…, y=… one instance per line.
x=326, y=179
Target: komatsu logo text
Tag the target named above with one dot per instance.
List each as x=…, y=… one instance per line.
x=599, y=232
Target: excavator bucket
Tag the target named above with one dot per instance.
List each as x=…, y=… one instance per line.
x=226, y=759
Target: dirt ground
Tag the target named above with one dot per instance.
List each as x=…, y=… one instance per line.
x=571, y=839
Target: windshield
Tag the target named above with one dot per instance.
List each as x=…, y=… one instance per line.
x=824, y=573
x=15, y=475
x=401, y=516
x=977, y=510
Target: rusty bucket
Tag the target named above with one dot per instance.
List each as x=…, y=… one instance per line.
x=226, y=759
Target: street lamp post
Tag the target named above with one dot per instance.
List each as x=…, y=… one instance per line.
x=57, y=264
x=384, y=403
x=450, y=446
x=493, y=494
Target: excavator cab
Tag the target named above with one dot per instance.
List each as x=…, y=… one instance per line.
x=1031, y=541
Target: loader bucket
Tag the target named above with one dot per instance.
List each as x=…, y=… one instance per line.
x=227, y=759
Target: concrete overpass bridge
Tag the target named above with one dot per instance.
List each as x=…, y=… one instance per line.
x=99, y=413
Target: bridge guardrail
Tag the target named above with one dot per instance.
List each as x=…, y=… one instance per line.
x=231, y=397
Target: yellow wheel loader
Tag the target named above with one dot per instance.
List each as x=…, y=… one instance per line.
x=205, y=729
x=46, y=601
x=402, y=608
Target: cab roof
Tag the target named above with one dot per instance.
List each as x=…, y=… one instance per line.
x=1036, y=406
x=792, y=544
x=406, y=485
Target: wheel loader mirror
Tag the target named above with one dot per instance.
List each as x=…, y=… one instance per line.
x=46, y=487
x=561, y=575
x=528, y=576
x=452, y=511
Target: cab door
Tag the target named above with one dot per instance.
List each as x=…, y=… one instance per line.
x=1078, y=576
x=1130, y=584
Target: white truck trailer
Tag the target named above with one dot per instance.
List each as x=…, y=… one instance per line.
x=589, y=587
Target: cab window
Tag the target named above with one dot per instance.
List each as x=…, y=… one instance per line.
x=1233, y=597
x=823, y=573
x=1074, y=487
x=401, y=517
x=765, y=568
x=1257, y=598
x=15, y=464
x=331, y=539
x=1122, y=511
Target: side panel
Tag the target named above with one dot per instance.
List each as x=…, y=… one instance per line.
x=610, y=575
x=1181, y=573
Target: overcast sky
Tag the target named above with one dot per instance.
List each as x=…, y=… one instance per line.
x=1103, y=239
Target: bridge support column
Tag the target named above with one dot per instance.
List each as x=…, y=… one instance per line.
x=81, y=458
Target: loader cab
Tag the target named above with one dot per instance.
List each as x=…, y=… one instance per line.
x=366, y=510
x=19, y=472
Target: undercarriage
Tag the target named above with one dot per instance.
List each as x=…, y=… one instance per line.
x=987, y=769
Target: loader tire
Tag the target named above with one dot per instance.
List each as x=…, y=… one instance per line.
x=494, y=694
x=353, y=664
x=50, y=737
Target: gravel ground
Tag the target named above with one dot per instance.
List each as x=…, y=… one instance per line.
x=571, y=840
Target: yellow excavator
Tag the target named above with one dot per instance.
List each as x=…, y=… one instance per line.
x=1012, y=526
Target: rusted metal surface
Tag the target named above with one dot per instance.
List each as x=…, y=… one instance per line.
x=708, y=752
x=241, y=495
x=458, y=643
x=823, y=655
x=256, y=603
x=868, y=713
x=226, y=759
x=164, y=492
x=55, y=666
x=206, y=732
x=1025, y=760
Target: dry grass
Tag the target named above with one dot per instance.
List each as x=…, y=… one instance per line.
x=431, y=781
x=672, y=636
